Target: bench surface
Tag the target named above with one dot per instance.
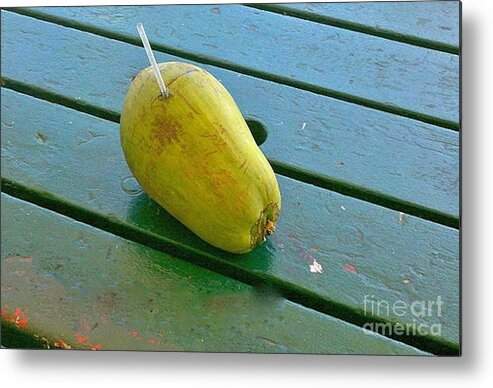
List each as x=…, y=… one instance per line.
x=360, y=104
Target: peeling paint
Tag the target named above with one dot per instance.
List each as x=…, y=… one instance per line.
x=61, y=344
x=96, y=347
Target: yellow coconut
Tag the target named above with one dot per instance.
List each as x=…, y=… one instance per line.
x=193, y=153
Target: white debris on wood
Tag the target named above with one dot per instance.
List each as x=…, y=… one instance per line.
x=401, y=218
x=316, y=267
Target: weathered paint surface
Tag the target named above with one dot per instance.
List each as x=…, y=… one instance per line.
x=407, y=159
x=71, y=286
x=311, y=53
x=333, y=246
x=434, y=21
x=362, y=249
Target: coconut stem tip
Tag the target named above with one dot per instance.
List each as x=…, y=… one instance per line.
x=270, y=227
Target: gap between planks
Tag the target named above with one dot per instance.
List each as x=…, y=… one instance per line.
x=253, y=278
x=299, y=174
x=357, y=27
x=448, y=124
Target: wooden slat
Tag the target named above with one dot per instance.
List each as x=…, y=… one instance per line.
x=432, y=24
x=406, y=160
x=411, y=80
x=362, y=249
x=80, y=287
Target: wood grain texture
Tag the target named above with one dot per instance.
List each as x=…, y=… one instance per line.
x=82, y=288
x=388, y=154
x=317, y=57
x=428, y=23
x=362, y=249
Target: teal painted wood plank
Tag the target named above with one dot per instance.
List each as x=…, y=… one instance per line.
x=80, y=287
x=363, y=249
x=405, y=159
x=313, y=56
x=430, y=23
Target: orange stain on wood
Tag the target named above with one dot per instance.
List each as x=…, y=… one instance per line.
x=80, y=339
x=134, y=334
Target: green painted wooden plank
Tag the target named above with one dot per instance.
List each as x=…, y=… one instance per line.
x=377, y=72
x=363, y=249
x=378, y=152
x=433, y=24
x=78, y=286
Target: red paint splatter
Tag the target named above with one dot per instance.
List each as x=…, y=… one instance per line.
x=80, y=339
x=350, y=268
x=19, y=317
x=96, y=347
x=134, y=334
x=22, y=321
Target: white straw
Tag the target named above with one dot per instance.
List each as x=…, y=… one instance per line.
x=150, y=55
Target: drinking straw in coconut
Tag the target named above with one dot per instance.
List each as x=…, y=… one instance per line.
x=150, y=55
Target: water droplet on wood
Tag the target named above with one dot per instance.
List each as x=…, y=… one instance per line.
x=8, y=124
x=130, y=186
